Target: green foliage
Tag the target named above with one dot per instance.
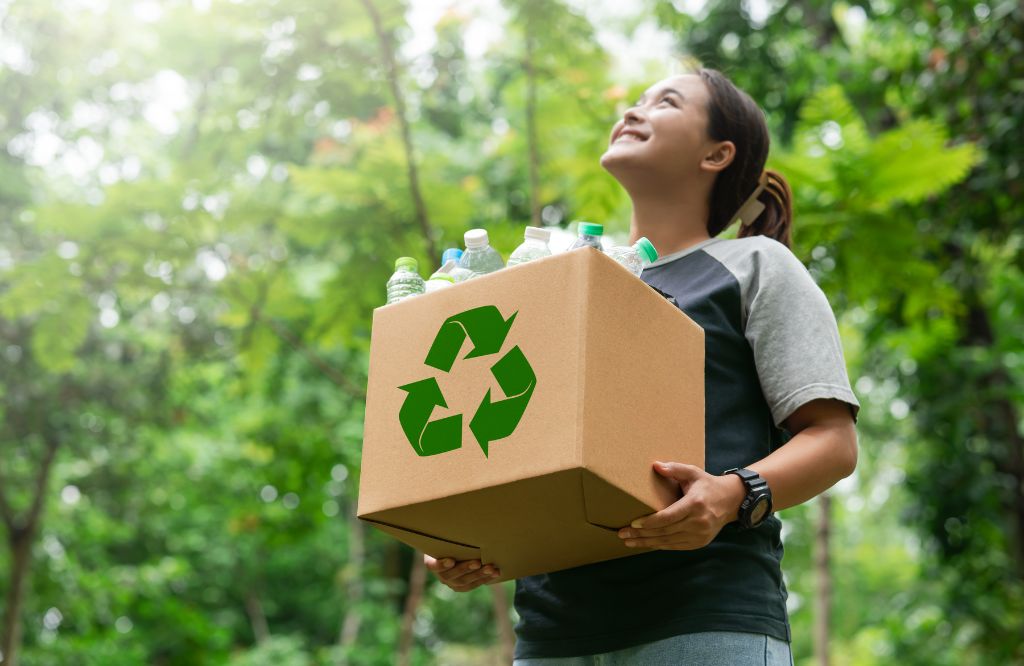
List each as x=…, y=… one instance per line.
x=187, y=286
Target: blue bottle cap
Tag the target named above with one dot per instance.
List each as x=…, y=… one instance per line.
x=450, y=253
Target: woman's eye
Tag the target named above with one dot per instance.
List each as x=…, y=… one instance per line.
x=667, y=99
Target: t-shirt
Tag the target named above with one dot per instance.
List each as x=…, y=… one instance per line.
x=771, y=345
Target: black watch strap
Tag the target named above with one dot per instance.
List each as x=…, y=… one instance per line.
x=757, y=505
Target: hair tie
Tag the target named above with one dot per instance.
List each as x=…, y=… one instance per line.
x=753, y=207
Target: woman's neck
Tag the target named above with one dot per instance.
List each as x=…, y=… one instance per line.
x=671, y=224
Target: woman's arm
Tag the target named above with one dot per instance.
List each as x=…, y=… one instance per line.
x=822, y=451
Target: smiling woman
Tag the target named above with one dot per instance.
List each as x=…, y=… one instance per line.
x=779, y=416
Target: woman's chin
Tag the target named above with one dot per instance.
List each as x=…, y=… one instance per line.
x=616, y=160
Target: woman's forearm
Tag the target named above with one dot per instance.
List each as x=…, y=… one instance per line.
x=823, y=451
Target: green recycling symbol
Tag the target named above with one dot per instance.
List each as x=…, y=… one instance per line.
x=493, y=420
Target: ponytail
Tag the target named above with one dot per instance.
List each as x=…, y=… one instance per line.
x=776, y=217
x=760, y=199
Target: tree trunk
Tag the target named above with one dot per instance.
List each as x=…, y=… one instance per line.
x=387, y=53
x=354, y=582
x=506, y=641
x=20, y=542
x=823, y=593
x=257, y=619
x=20, y=535
x=417, y=581
x=531, y=128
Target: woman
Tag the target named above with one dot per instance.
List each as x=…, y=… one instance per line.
x=779, y=409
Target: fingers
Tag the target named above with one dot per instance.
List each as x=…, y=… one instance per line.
x=681, y=472
x=462, y=576
x=675, y=512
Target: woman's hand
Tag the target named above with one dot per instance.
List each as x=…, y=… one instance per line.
x=462, y=576
x=708, y=503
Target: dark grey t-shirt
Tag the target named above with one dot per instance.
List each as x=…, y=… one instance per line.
x=771, y=346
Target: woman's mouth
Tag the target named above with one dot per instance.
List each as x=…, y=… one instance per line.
x=629, y=136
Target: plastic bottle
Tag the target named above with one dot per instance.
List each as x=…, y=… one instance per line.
x=450, y=265
x=590, y=236
x=480, y=257
x=439, y=281
x=533, y=247
x=635, y=257
x=405, y=281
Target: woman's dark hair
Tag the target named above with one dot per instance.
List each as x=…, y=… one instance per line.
x=734, y=116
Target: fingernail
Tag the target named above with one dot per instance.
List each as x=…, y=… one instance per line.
x=630, y=543
x=624, y=533
x=496, y=574
x=448, y=564
x=487, y=570
x=637, y=524
x=474, y=566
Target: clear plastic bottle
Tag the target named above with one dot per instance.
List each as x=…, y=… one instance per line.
x=459, y=274
x=439, y=281
x=590, y=236
x=534, y=246
x=480, y=257
x=405, y=281
x=635, y=257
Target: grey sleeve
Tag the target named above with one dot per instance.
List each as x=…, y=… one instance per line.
x=789, y=325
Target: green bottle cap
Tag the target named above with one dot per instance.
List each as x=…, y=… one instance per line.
x=408, y=262
x=591, y=228
x=646, y=249
x=442, y=276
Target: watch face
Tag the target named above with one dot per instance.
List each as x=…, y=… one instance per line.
x=760, y=510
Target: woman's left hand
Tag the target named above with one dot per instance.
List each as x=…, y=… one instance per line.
x=708, y=503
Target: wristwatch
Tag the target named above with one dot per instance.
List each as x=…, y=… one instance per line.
x=757, y=505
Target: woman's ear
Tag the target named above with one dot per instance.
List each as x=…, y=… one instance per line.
x=719, y=156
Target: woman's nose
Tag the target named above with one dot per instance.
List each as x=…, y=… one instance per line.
x=632, y=115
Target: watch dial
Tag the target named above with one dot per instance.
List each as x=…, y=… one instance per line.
x=760, y=509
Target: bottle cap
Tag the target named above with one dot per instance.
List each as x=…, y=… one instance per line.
x=538, y=233
x=591, y=229
x=645, y=249
x=475, y=238
x=408, y=262
x=450, y=253
x=442, y=276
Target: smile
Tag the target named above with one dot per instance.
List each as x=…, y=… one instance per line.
x=628, y=135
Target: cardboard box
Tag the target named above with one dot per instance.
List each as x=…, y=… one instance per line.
x=550, y=388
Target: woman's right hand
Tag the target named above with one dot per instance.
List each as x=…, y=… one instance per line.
x=464, y=575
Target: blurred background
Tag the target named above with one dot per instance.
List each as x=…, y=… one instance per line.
x=201, y=202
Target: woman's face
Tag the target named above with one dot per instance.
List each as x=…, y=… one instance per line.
x=663, y=134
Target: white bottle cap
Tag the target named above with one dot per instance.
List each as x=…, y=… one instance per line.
x=538, y=233
x=475, y=238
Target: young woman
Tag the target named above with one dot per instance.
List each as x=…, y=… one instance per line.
x=779, y=409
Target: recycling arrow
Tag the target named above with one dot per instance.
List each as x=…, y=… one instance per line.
x=495, y=420
x=485, y=327
x=428, y=437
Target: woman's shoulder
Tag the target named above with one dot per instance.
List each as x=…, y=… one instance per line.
x=754, y=255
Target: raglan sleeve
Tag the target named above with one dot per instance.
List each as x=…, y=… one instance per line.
x=793, y=333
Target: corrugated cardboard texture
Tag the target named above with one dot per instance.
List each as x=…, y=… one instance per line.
x=545, y=294
x=643, y=398
x=619, y=384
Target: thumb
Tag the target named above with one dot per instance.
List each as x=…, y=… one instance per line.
x=681, y=472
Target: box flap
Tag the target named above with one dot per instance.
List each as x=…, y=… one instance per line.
x=431, y=545
x=610, y=507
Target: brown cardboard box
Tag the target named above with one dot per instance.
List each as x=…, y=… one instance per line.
x=530, y=465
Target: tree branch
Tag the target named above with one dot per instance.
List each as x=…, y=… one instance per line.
x=388, y=56
x=293, y=341
x=6, y=512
